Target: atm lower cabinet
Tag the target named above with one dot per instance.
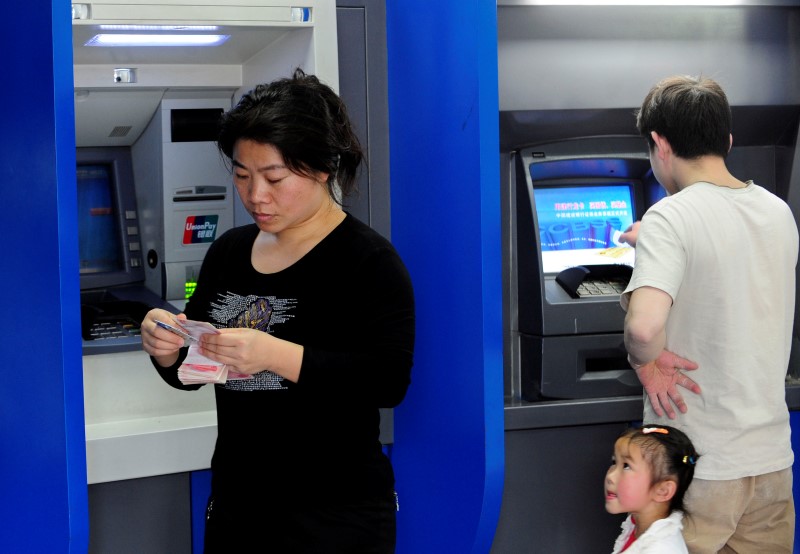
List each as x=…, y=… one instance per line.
x=157, y=515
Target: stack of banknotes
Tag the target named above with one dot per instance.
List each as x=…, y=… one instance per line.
x=196, y=368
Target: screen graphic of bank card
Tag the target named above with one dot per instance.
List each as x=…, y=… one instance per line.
x=188, y=330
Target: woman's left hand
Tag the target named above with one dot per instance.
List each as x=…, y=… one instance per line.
x=249, y=351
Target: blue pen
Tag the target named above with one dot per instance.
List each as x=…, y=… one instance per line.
x=180, y=332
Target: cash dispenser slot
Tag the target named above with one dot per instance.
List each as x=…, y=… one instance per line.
x=204, y=193
x=577, y=366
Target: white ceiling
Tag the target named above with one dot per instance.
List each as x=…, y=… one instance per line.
x=112, y=113
x=103, y=108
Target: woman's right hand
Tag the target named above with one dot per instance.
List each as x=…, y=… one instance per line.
x=161, y=344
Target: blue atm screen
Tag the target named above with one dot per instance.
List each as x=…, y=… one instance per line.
x=98, y=240
x=580, y=225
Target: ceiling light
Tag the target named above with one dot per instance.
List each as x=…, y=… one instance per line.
x=129, y=39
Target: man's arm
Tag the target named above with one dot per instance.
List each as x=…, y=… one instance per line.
x=645, y=324
x=645, y=336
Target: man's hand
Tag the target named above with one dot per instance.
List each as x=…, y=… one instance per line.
x=660, y=379
x=631, y=234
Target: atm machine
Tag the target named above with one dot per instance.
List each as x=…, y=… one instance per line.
x=113, y=299
x=573, y=199
x=147, y=214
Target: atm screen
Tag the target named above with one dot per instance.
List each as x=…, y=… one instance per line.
x=99, y=242
x=580, y=225
x=108, y=229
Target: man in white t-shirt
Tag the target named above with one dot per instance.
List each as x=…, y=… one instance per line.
x=714, y=283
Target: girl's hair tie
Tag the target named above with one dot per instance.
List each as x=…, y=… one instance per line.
x=648, y=430
x=689, y=460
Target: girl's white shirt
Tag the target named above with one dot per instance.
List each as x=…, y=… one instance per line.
x=663, y=537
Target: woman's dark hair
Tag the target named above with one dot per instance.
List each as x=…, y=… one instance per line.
x=692, y=113
x=671, y=456
x=306, y=121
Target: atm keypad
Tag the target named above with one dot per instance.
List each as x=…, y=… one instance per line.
x=601, y=287
x=114, y=329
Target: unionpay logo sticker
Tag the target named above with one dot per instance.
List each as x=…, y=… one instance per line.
x=200, y=229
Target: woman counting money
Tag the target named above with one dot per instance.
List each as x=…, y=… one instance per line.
x=317, y=309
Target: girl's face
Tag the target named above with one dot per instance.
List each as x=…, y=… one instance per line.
x=275, y=197
x=628, y=482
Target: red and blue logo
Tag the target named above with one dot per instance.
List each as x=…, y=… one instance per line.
x=200, y=229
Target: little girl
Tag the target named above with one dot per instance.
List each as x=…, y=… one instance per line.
x=651, y=469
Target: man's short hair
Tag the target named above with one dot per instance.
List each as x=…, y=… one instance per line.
x=692, y=113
